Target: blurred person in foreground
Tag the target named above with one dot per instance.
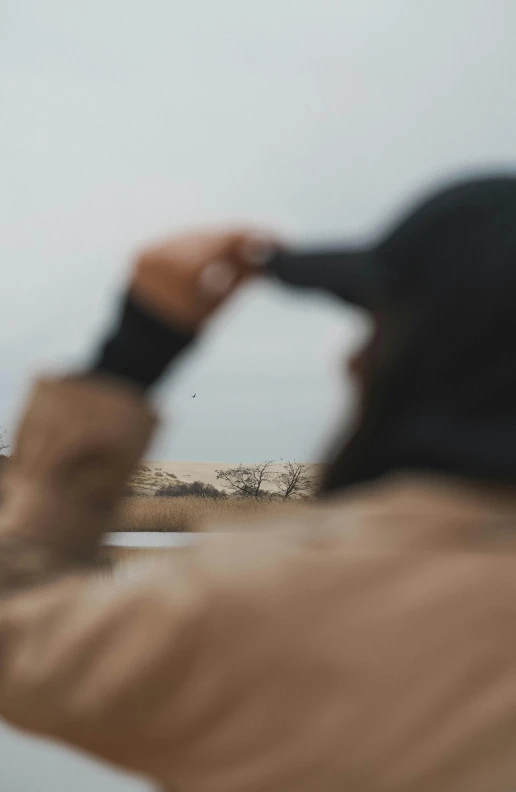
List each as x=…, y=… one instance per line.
x=366, y=644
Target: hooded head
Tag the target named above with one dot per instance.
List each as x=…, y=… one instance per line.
x=438, y=378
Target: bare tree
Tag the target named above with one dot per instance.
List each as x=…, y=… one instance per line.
x=295, y=480
x=4, y=445
x=246, y=481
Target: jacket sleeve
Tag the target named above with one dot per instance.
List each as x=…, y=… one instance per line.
x=77, y=444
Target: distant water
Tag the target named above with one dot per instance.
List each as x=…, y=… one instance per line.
x=152, y=539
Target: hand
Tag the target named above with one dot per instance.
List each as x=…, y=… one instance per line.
x=186, y=278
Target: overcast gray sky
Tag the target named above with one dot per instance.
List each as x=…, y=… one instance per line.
x=123, y=119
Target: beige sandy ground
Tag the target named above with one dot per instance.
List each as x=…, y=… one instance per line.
x=191, y=471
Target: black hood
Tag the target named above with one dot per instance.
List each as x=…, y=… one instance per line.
x=442, y=396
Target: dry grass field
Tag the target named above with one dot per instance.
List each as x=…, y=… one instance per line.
x=193, y=514
x=121, y=555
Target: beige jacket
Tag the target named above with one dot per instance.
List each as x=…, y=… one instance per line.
x=369, y=646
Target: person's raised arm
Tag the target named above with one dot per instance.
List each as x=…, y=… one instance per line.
x=75, y=650
x=82, y=435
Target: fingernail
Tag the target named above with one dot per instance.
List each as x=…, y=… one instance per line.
x=257, y=252
x=216, y=279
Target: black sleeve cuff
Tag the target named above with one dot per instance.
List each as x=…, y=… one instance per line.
x=141, y=346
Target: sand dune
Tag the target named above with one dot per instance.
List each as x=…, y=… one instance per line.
x=190, y=471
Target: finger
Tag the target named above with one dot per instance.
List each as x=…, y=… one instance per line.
x=258, y=249
x=250, y=248
x=216, y=280
x=229, y=258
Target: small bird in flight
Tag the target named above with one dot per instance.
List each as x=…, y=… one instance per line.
x=193, y=397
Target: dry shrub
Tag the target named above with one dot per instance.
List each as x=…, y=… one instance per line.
x=191, y=514
x=193, y=488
